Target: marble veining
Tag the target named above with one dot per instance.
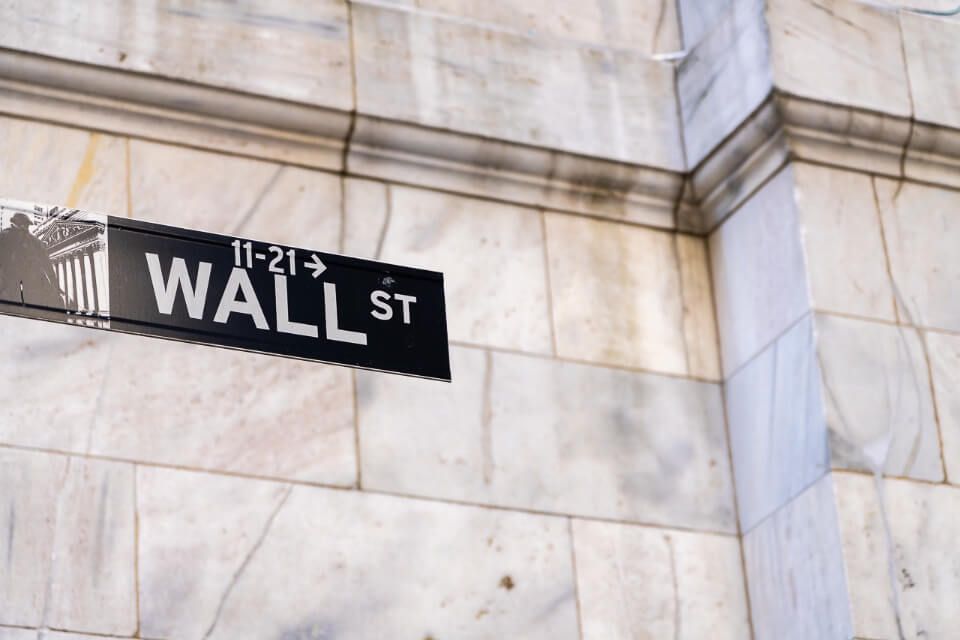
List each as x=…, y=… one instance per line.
x=795, y=570
x=778, y=431
x=653, y=288
x=634, y=582
x=905, y=585
x=879, y=405
x=922, y=231
x=759, y=272
x=858, y=42
x=67, y=535
x=254, y=47
x=319, y=563
x=551, y=436
x=843, y=242
x=438, y=72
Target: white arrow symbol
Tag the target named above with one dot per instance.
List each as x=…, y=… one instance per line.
x=315, y=265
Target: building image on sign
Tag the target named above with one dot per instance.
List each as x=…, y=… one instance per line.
x=481, y=320
x=60, y=255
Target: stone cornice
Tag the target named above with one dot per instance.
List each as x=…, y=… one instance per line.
x=784, y=127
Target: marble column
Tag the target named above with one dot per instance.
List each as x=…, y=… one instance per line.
x=836, y=325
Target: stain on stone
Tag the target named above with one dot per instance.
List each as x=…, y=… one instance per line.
x=481, y=613
x=907, y=580
x=506, y=582
x=121, y=56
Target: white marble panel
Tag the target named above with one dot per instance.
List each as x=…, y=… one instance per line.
x=287, y=49
x=318, y=563
x=930, y=46
x=944, y=353
x=40, y=361
x=906, y=585
x=878, y=398
x=630, y=296
x=13, y=633
x=758, y=271
x=446, y=73
x=57, y=165
x=551, y=436
x=859, y=42
x=93, y=583
x=29, y=486
x=197, y=189
x=299, y=207
x=648, y=26
x=724, y=78
x=778, y=432
x=843, y=242
x=795, y=570
x=699, y=17
x=225, y=410
x=923, y=231
x=68, y=539
x=367, y=204
x=492, y=258
x=634, y=582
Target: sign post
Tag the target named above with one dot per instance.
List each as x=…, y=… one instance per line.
x=67, y=265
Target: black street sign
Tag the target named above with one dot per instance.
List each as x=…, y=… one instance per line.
x=76, y=267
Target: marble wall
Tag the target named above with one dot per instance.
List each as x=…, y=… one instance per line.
x=160, y=490
x=848, y=366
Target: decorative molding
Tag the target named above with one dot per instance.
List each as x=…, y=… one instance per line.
x=783, y=128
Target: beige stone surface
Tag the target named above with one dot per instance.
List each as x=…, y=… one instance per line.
x=907, y=584
x=30, y=484
x=93, y=581
x=537, y=434
x=68, y=535
x=922, y=231
x=286, y=49
x=196, y=189
x=859, y=42
x=335, y=563
x=209, y=408
x=451, y=74
x=39, y=361
x=636, y=582
x=843, y=242
x=648, y=26
x=930, y=46
x=58, y=165
x=629, y=296
x=492, y=258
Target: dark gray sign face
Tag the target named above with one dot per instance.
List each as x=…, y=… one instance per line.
x=67, y=265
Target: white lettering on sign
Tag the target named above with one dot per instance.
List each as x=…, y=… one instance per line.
x=166, y=292
x=284, y=325
x=240, y=297
x=334, y=332
x=249, y=305
x=384, y=311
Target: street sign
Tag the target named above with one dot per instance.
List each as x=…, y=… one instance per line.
x=72, y=266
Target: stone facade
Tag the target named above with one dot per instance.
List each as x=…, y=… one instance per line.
x=701, y=282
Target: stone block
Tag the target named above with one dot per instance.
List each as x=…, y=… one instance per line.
x=530, y=433
x=636, y=582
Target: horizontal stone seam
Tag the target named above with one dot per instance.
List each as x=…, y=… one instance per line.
x=147, y=464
